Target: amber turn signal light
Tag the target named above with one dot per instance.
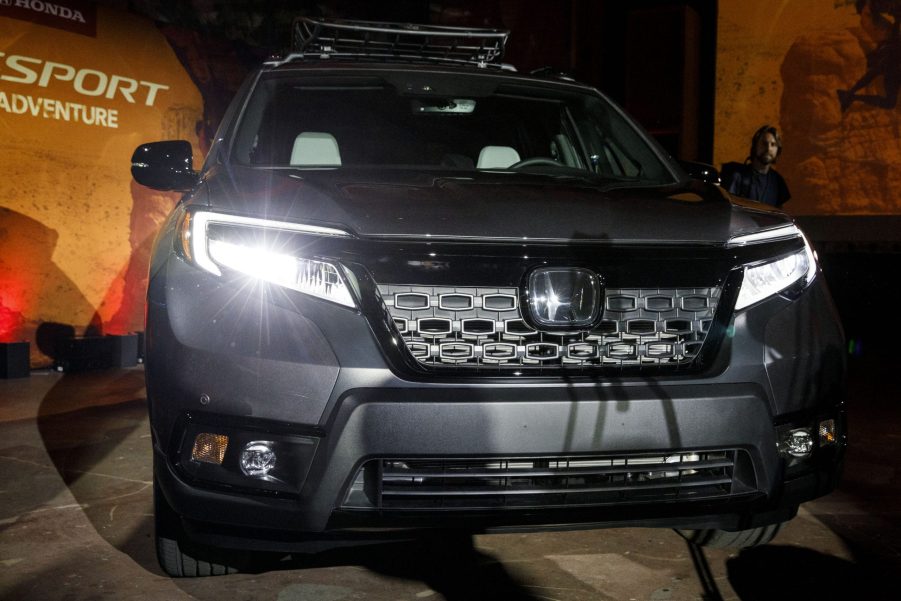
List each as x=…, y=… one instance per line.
x=209, y=448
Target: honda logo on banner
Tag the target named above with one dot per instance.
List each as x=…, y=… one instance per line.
x=77, y=16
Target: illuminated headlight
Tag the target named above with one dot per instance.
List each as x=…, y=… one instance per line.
x=763, y=281
x=256, y=249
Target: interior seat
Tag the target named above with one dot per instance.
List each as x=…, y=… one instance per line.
x=497, y=157
x=315, y=149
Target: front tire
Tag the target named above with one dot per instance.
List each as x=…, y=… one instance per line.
x=177, y=557
x=724, y=539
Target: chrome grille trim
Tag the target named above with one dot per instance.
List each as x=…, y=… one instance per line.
x=447, y=301
x=485, y=329
x=411, y=300
x=468, y=326
x=499, y=302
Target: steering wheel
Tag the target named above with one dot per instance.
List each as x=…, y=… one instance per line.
x=535, y=161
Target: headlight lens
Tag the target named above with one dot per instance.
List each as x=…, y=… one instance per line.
x=252, y=255
x=763, y=281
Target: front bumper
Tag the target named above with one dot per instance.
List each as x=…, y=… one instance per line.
x=373, y=423
x=311, y=371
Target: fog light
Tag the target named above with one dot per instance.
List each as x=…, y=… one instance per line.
x=209, y=448
x=827, y=432
x=257, y=458
x=798, y=443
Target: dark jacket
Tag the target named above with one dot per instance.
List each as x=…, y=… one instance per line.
x=741, y=179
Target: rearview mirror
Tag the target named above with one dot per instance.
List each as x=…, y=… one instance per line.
x=444, y=105
x=164, y=165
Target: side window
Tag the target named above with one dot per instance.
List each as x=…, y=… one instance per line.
x=622, y=163
x=615, y=145
x=564, y=145
x=607, y=157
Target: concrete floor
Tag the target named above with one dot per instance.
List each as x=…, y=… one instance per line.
x=75, y=523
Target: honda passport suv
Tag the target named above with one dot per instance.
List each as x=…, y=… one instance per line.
x=414, y=289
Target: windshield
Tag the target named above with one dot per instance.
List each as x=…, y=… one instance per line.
x=317, y=122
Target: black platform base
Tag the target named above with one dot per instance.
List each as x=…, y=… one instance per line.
x=84, y=353
x=14, y=360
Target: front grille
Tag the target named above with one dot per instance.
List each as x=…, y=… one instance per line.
x=549, y=481
x=483, y=328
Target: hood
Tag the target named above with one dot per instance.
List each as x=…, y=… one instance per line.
x=397, y=204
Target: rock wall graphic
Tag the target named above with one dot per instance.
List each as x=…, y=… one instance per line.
x=840, y=111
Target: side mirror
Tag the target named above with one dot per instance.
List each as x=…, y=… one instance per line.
x=702, y=171
x=164, y=165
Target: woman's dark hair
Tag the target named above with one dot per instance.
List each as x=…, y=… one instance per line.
x=766, y=129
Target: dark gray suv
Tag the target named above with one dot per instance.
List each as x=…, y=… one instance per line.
x=413, y=289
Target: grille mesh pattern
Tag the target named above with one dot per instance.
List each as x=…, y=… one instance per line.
x=543, y=482
x=483, y=327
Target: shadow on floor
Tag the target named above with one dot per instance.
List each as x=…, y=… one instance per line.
x=448, y=564
x=782, y=573
x=93, y=426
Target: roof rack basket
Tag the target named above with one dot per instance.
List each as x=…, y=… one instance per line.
x=370, y=39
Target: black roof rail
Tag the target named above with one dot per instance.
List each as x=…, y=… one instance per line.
x=549, y=71
x=333, y=38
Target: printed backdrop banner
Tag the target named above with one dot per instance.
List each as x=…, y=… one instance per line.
x=826, y=73
x=75, y=230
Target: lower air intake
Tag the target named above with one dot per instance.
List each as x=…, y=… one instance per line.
x=549, y=481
